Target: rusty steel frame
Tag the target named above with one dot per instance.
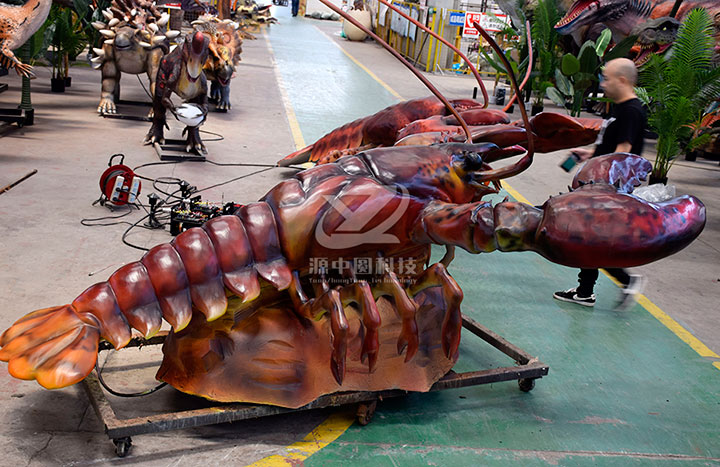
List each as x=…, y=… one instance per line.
x=119, y=431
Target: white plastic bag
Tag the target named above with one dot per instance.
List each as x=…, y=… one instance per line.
x=655, y=193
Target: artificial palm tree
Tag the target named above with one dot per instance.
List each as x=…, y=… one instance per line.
x=679, y=88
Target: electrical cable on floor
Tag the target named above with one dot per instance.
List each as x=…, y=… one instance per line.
x=219, y=136
x=87, y=221
x=125, y=394
x=124, y=235
x=235, y=179
x=144, y=88
x=172, y=199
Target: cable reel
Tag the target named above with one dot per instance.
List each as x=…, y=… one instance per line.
x=118, y=184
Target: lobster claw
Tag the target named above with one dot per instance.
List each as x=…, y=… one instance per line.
x=596, y=226
x=624, y=171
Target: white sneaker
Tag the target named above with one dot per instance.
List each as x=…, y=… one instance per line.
x=629, y=294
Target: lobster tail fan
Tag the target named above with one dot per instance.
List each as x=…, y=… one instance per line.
x=56, y=346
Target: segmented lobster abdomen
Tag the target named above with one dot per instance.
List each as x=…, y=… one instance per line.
x=58, y=346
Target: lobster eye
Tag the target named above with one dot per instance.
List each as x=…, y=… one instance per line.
x=471, y=161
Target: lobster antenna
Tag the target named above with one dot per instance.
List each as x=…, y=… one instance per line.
x=513, y=80
x=526, y=160
x=529, y=68
x=407, y=64
x=451, y=46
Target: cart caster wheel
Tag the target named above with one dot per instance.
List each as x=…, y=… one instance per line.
x=122, y=446
x=365, y=412
x=526, y=384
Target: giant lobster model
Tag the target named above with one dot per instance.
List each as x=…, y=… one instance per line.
x=17, y=24
x=134, y=44
x=225, y=49
x=181, y=72
x=324, y=285
x=252, y=299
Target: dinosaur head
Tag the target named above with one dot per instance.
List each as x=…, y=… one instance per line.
x=195, y=53
x=225, y=47
x=653, y=36
x=128, y=38
x=584, y=12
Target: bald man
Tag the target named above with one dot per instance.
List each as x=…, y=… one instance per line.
x=622, y=132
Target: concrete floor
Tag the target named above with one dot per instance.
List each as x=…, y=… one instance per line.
x=622, y=389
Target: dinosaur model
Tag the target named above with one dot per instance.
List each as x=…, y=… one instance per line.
x=621, y=16
x=134, y=44
x=653, y=37
x=225, y=49
x=181, y=72
x=17, y=24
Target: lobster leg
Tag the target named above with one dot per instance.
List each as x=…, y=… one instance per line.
x=434, y=276
x=327, y=301
x=360, y=294
x=391, y=287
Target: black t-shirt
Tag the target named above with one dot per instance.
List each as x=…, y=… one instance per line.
x=626, y=124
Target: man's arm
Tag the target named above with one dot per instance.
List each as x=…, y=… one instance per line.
x=583, y=154
x=623, y=147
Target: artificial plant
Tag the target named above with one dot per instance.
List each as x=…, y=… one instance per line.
x=65, y=34
x=545, y=43
x=577, y=74
x=678, y=89
x=516, y=48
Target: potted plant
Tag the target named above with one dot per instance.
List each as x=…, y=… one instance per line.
x=577, y=74
x=66, y=36
x=678, y=90
x=545, y=40
x=516, y=54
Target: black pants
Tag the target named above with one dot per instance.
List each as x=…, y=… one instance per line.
x=587, y=278
x=295, y=6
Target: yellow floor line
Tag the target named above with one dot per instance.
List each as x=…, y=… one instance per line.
x=326, y=433
x=364, y=68
x=289, y=111
x=679, y=331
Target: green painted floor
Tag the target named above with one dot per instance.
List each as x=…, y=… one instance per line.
x=622, y=388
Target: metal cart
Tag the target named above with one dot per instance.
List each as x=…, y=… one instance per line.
x=120, y=431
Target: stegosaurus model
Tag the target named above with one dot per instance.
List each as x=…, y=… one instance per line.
x=225, y=49
x=17, y=24
x=135, y=43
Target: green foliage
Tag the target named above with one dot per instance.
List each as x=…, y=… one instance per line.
x=64, y=32
x=519, y=67
x=576, y=75
x=677, y=90
x=570, y=65
x=545, y=45
x=621, y=49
